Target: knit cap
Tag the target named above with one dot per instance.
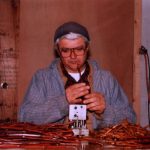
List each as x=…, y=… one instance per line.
x=71, y=27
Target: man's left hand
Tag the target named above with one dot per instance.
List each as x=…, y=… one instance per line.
x=95, y=102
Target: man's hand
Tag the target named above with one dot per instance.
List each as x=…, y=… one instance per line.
x=95, y=102
x=74, y=92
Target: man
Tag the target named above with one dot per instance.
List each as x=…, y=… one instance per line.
x=73, y=78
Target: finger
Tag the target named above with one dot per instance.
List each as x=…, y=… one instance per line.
x=89, y=100
x=76, y=101
x=92, y=105
x=81, y=89
x=81, y=93
x=75, y=89
x=91, y=95
x=77, y=85
x=97, y=108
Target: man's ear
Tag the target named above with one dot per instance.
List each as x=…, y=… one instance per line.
x=56, y=51
x=88, y=47
x=88, y=51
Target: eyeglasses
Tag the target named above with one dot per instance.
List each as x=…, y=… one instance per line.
x=78, y=51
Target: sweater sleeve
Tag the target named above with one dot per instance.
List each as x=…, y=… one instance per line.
x=44, y=102
x=118, y=107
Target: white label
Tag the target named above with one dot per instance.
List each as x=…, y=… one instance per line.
x=77, y=112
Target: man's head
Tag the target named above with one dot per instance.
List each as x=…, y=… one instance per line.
x=72, y=44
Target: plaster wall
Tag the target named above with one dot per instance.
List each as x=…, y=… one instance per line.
x=110, y=24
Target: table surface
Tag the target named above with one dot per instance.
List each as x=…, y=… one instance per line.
x=83, y=145
x=22, y=136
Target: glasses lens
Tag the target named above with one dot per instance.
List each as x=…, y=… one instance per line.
x=65, y=52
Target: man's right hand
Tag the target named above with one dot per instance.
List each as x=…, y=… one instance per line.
x=74, y=92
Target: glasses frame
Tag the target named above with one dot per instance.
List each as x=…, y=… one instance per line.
x=72, y=50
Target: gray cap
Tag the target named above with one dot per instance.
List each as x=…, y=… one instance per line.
x=71, y=27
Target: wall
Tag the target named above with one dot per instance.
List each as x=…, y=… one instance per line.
x=8, y=59
x=110, y=24
x=146, y=44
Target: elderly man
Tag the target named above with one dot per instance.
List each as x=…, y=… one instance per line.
x=73, y=78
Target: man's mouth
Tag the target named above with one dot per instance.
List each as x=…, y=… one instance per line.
x=73, y=62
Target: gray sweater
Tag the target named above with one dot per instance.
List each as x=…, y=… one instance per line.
x=45, y=100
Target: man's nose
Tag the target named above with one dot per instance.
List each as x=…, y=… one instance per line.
x=73, y=54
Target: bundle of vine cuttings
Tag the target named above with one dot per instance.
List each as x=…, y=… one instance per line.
x=54, y=134
x=125, y=134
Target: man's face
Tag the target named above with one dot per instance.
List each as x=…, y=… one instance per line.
x=73, y=53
